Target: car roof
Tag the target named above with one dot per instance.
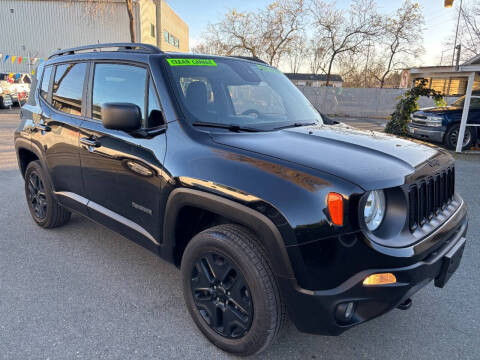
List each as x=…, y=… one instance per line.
x=127, y=52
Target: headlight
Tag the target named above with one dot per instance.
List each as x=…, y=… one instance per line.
x=435, y=121
x=374, y=210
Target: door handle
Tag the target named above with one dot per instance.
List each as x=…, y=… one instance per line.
x=90, y=142
x=42, y=127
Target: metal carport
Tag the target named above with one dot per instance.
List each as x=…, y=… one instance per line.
x=469, y=69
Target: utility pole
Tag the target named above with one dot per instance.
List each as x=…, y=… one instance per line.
x=457, y=64
x=441, y=57
x=456, y=33
x=29, y=64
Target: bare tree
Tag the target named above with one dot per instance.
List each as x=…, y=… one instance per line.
x=355, y=70
x=267, y=33
x=401, y=37
x=468, y=33
x=317, y=58
x=131, y=19
x=99, y=7
x=280, y=22
x=343, y=31
x=236, y=33
x=297, y=53
x=207, y=48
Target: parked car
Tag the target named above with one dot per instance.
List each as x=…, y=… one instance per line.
x=19, y=88
x=5, y=98
x=442, y=124
x=266, y=212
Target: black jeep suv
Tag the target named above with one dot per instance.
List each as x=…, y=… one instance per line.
x=221, y=166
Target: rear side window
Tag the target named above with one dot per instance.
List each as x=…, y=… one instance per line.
x=68, y=88
x=118, y=83
x=45, y=82
x=475, y=103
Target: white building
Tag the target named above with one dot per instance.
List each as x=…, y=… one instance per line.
x=36, y=28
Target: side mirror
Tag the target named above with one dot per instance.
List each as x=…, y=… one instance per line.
x=121, y=116
x=327, y=120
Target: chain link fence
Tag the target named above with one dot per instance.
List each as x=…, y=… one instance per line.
x=359, y=102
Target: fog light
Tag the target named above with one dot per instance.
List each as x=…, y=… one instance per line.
x=380, y=279
x=349, y=310
x=344, y=312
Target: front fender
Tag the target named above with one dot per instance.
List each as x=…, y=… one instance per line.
x=266, y=231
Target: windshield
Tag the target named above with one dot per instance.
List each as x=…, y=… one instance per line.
x=237, y=92
x=459, y=102
x=474, y=102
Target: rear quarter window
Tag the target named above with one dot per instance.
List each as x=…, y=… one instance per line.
x=45, y=82
x=68, y=88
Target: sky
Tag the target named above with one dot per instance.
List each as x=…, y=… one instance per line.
x=440, y=22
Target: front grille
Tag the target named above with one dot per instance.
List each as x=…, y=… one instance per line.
x=418, y=119
x=429, y=196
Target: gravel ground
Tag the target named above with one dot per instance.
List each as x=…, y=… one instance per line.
x=84, y=292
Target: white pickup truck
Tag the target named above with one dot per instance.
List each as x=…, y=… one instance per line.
x=19, y=88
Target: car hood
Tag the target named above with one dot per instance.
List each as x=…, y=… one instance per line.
x=438, y=110
x=369, y=159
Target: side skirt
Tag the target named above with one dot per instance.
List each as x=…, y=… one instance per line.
x=109, y=219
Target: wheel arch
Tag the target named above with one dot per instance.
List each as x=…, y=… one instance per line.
x=267, y=233
x=25, y=157
x=28, y=152
x=475, y=132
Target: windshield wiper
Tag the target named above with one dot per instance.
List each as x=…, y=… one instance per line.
x=297, y=124
x=231, y=127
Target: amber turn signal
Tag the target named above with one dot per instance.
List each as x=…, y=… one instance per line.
x=380, y=279
x=335, y=207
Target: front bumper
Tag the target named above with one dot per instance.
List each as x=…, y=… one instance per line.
x=426, y=133
x=6, y=100
x=316, y=311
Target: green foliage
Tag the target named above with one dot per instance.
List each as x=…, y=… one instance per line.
x=442, y=102
x=408, y=104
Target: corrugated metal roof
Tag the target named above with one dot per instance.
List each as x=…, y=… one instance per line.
x=473, y=60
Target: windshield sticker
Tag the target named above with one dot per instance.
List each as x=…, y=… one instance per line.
x=191, y=62
x=267, y=68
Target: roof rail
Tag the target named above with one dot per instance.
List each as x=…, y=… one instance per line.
x=120, y=47
x=251, y=58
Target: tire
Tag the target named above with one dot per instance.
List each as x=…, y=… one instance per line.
x=43, y=207
x=450, y=138
x=260, y=315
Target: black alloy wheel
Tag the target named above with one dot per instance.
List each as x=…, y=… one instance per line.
x=230, y=290
x=37, y=196
x=221, y=295
x=44, y=208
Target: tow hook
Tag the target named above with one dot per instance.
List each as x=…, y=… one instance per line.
x=405, y=305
